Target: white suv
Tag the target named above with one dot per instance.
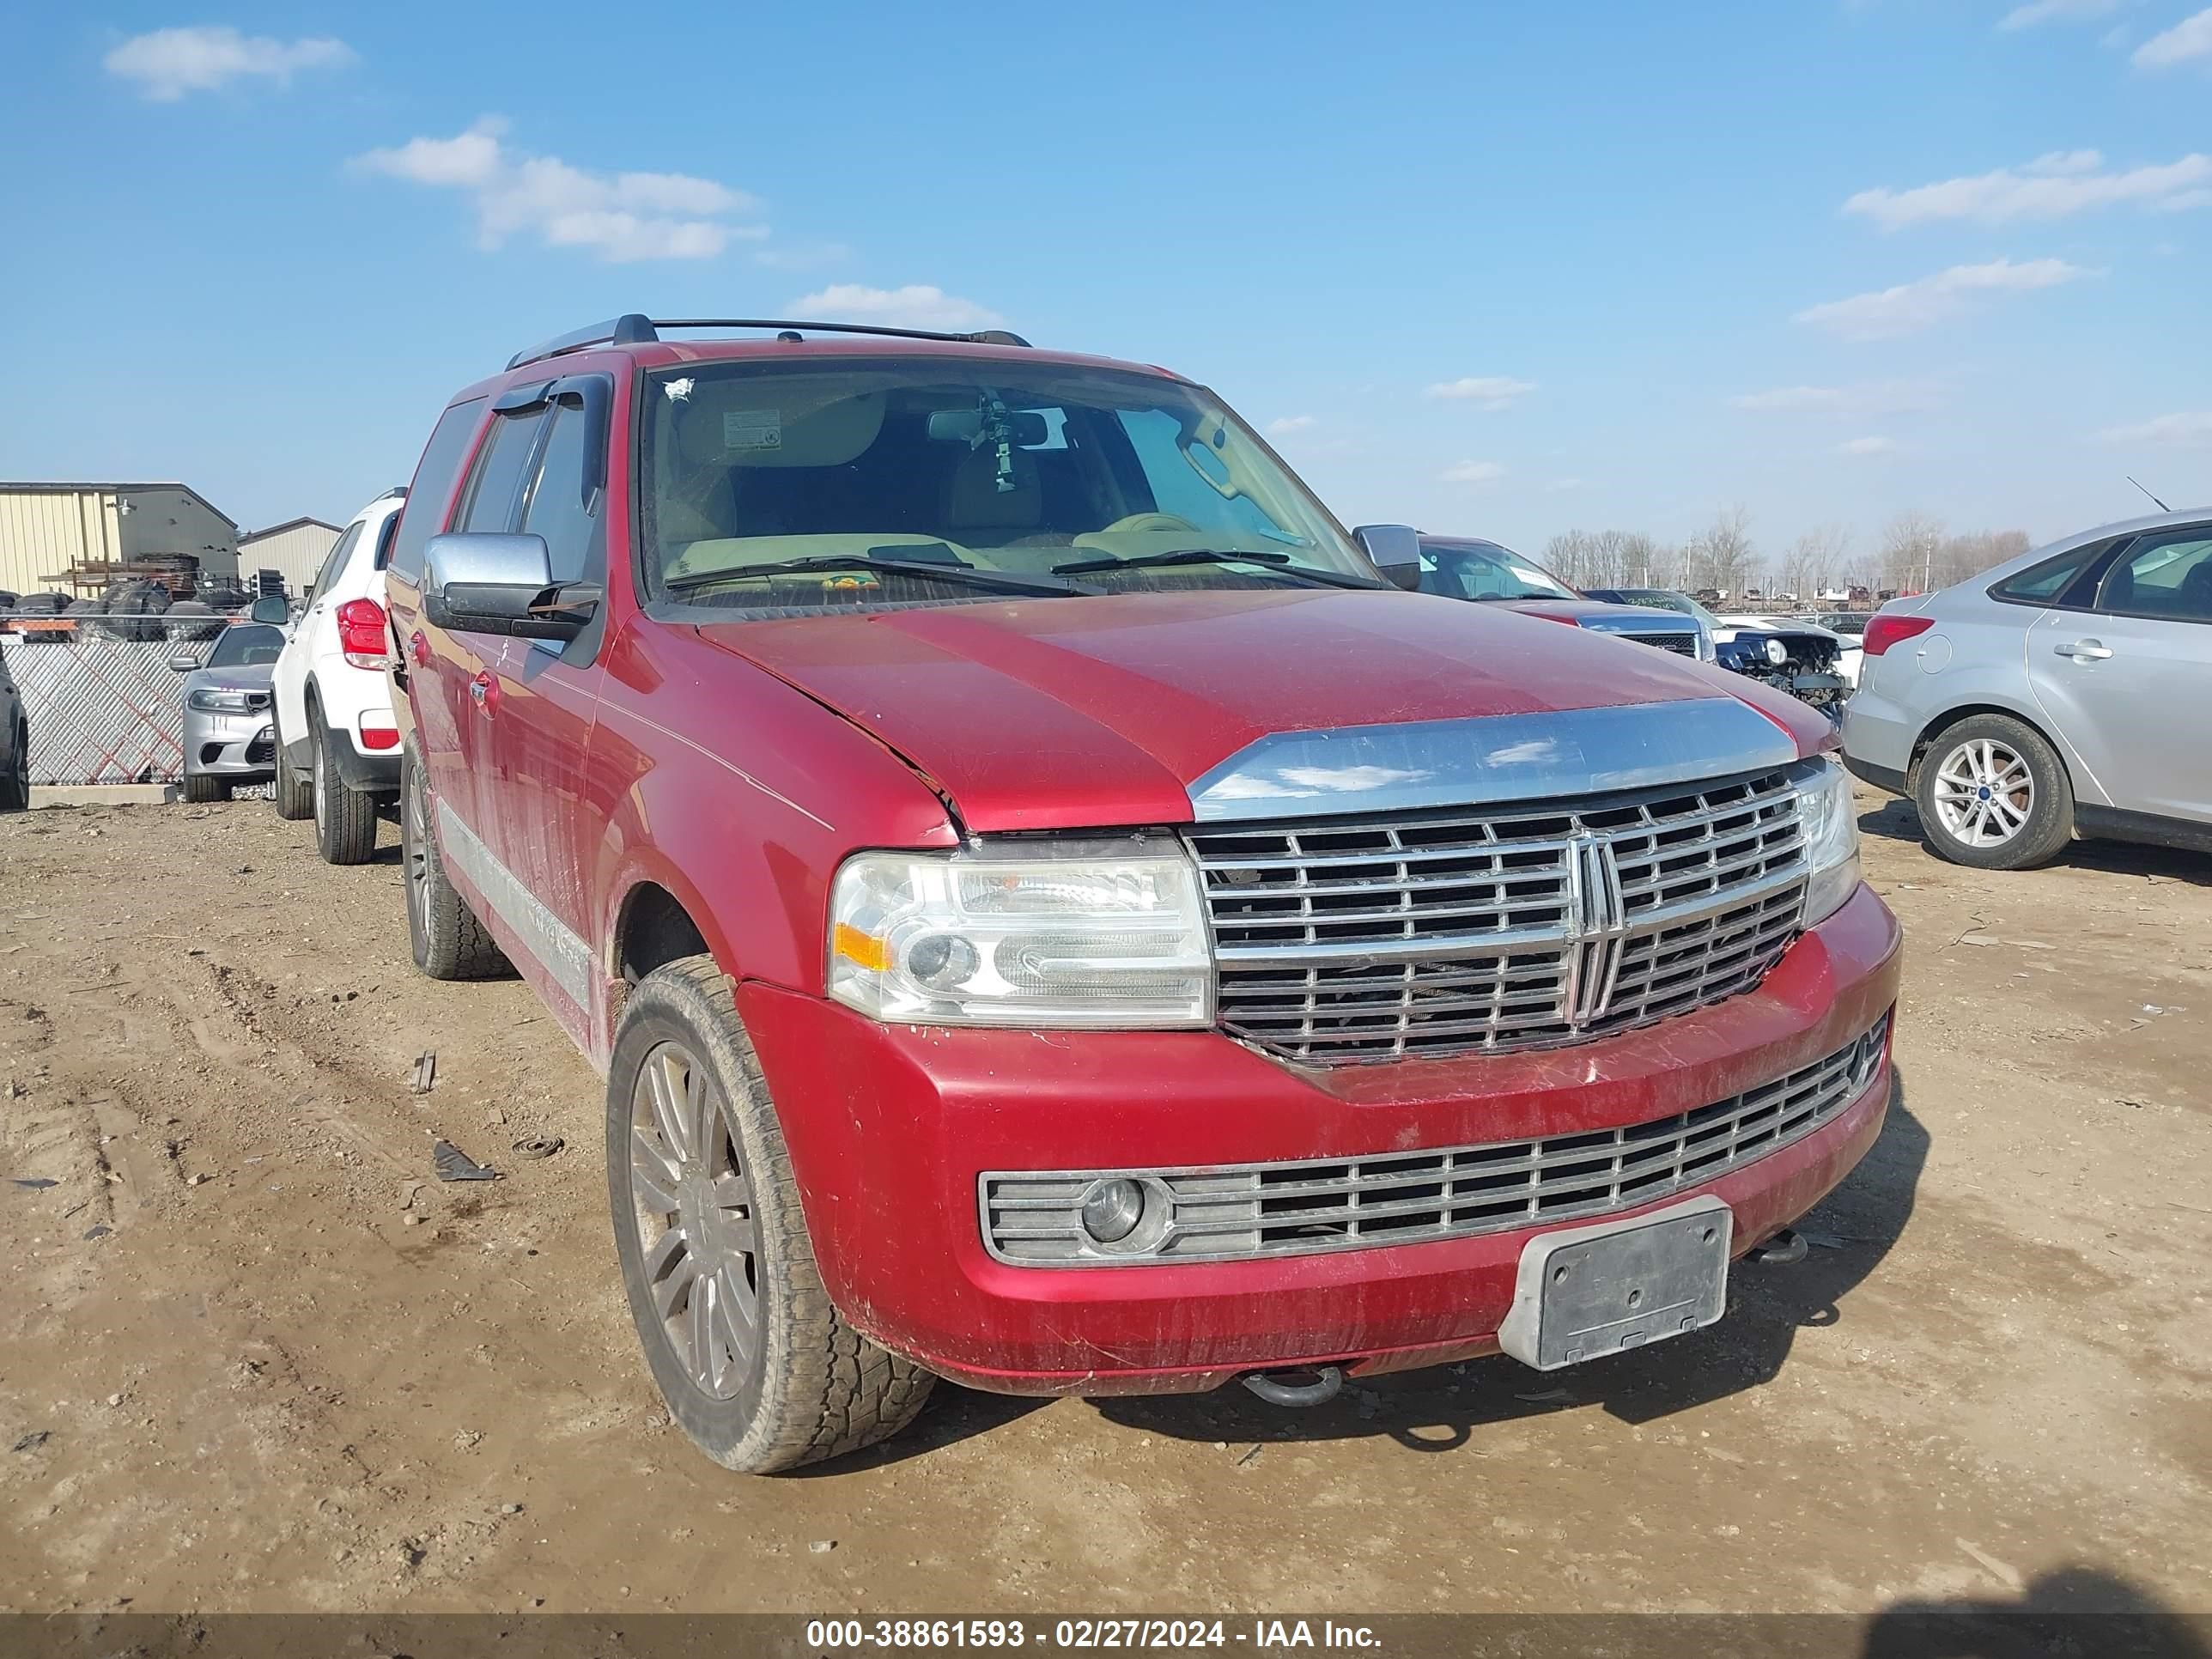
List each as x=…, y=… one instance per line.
x=337, y=750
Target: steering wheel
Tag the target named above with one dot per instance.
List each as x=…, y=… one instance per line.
x=1151, y=521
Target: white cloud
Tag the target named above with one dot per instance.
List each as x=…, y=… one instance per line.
x=917, y=305
x=2058, y=11
x=1867, y=447
x=2050, y=187
x=169, y=63
x=1869, y=397
x=622, y=216
x=1477, y=473
x=2191, y=430
x=1291, y=424
x=2190, y=38
x=1490, y=391
x=1912, y=306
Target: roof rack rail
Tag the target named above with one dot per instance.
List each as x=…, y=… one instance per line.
x=636, y=329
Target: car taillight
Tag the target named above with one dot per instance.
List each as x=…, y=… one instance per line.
x=361, y=633
x=1884, y=631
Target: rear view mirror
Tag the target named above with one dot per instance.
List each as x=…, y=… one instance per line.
x=1395, y=550
x=270, y=608
x=965, y=426
x=477, y=583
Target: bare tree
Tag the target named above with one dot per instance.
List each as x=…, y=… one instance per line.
x=1816, y=560
x=1908, y=542
x=1721, y=557
x=1957, y=558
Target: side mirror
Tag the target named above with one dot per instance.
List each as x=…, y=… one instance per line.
x=270, y=608
x=1395, y=550
x=184, y=664
x=479, y=583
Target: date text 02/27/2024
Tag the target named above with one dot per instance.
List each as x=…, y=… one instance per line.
x=828, y=1635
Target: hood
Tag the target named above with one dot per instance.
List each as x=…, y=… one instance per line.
x=1062, y=714
x=1604, y=616
x=244, y=677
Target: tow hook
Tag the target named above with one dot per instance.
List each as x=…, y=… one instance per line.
x=1271, y=1388
x=1779, y=1251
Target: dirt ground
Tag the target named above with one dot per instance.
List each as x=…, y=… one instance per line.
x=253, y=1357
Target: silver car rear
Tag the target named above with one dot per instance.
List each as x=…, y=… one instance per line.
x=2059, y=693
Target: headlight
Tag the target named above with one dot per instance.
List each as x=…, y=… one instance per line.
x=1776, y=653
x=210, y=702
x=1832, y=839
x=1101, y=933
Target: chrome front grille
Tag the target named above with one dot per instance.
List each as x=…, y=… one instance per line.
x=1684, y=644
x=1248, y=1211
x=1492, y=929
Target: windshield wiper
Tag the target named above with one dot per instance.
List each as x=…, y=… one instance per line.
x=1279, y=562
x=936, y=570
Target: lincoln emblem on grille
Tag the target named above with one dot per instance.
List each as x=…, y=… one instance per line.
x=1597, y=925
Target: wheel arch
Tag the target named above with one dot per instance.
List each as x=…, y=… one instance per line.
x=1953, y=716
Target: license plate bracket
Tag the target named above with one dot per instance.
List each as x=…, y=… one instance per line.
x=1584, y=1292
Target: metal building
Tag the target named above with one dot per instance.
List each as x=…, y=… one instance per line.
x=296, y=548
x=48, y=530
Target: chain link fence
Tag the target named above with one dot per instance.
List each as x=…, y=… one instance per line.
x=103, y=703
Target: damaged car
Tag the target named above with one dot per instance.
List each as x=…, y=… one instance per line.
x=1050, y=915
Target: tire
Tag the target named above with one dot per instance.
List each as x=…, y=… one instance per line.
x=346, y=819
x=449, y=942
x=294, y=791
x=200, y=788
x=16, y=787
x=806, y=1385
x=1993, y=795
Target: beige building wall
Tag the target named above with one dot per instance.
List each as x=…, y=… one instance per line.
x=297, y=551
x=44, y=530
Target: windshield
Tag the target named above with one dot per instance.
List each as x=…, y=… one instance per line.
x=1484, y=570
x=251, y=645
x=1001, y=466
x=1659, y=599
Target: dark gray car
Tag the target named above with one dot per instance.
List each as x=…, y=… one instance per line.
x=2062, y=694
x=227, y=735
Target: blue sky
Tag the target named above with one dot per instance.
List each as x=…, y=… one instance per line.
x=1501, y=269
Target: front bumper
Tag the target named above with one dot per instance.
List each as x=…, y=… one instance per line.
x=891, y=1127
x=229, y=746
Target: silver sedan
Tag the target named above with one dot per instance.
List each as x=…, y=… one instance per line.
x=2062, y=694
x=227, y=736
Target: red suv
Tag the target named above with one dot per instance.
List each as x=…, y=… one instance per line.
x=1052, y=917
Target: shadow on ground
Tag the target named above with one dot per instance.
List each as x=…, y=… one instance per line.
x=2074, y=1610
x=1898, y=819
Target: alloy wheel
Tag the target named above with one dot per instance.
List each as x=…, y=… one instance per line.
x=415, y=852
x=1985, y=792
x=698, y=1227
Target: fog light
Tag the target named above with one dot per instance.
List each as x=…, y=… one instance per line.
x=943, y=961
x=1112, y=1209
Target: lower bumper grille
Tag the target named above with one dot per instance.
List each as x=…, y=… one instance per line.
x=1243, y=1212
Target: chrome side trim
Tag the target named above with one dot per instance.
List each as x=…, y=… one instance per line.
x=562, y=951
x=1492, y=759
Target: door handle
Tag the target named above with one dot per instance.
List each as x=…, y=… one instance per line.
x=419, y=648
x=484, y=690
x=2084, y=650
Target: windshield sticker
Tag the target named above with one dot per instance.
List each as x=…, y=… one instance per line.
x=1534, y=578
x=752, y=428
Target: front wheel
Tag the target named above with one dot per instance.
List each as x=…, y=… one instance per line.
x=16, y=787
x=755, y=1364
x=200, y=788
x=1993, y=795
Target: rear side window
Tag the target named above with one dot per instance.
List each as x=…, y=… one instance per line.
x=385, y=539
x=2046, y=583
x=2168, y=577
x=424, y=515
x=334, y=561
